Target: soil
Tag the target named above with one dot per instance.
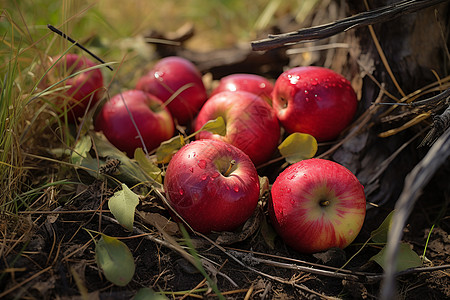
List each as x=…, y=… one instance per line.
x=56, y=259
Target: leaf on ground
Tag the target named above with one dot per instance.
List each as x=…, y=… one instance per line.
x=148, y=294
x=123, y=205
x=81, y=149
x=297, y=147
x=268, y=233
x=115, y=259
x=128, y=172
x=380, y=234
x=247, y=230
x=406, y=258
x=159, y=221
x=148, y=166
x=168, y=148
x=216, y=126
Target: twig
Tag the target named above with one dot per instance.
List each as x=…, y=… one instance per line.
x=59, y=32
x=363, y=277
x=414, y=183
x=431, y=100
x=374, y=16
x=440, y=124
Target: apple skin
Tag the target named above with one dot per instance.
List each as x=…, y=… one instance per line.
x=252, y=83
x=169, y=75
x=251, y=123
x=197, y=187
x=83, y=86
x=297, y=214
x=154, y=121
x=314, y=100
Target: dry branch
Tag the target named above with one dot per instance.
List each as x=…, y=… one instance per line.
x=374, y=16
x=414, y=183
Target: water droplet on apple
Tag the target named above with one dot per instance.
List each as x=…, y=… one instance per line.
x=203, y=177
x=215, y=175
x=191, y=169
x=181, y=191
x=202, y=164
x=306, y=92
x=236, y=188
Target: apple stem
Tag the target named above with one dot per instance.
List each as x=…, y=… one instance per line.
x=232, y=163
x=324, y=203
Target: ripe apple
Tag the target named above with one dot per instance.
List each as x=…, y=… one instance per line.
x=173, y=75
x=212, y=185
x=316, y=205
x=251, y=123
x=252, y=83
x=314, y=100
x=83, y=90
x=154, y=122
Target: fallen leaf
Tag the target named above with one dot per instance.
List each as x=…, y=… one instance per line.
x=115, y=259
x=123, y=205
x=297, y=147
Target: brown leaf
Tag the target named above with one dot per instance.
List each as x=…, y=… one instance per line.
x=159, y=221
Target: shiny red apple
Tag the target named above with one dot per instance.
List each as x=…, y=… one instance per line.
x=154, y=122
x=212, y=185
x=316, y=205
x=79, y=92
x=314, y=100
x=252, y=83
x=178, y=83
x=251, y=123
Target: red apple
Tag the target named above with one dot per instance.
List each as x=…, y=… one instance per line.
x=173, y=75
x=251, y=123
x=154, y=122
x=246, y=82
x=314, y=100
x=82, y=91
x=316, y=205
x=212, y=185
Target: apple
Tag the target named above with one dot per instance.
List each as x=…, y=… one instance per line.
x=314, y=100
x=212, y=185
x=316, y=205
x=82, y=91
x=170, y=76
x=251, y=123
x=153, y=120
x=252, y=83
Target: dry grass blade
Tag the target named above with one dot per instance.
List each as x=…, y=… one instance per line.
x=374, y=16
x=414, y=183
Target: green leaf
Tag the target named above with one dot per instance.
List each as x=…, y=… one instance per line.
x=148, y=294
x=216, y=126
x=168, y=148
x=380, y=234
x=129, y=172
x=297, y=147
x=115, y=259
x=148, y=166
x=406, y=258
x=122, y=205
x=81, y=150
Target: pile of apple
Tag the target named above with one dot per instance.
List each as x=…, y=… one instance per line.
x=212, y=182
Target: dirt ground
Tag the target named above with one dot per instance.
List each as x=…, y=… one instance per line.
x=58, y=261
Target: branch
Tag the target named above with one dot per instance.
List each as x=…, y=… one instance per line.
x=414, y=183
x=371, y=17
